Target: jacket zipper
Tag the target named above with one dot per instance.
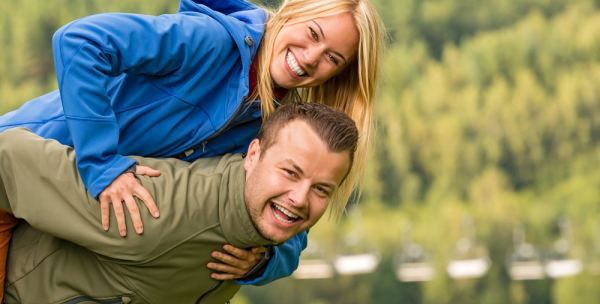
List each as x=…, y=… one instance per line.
x=204, y=295
x=81, y=299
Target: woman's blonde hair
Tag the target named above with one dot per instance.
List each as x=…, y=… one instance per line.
x=351, y=91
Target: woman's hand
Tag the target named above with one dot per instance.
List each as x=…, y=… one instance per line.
x=235, y=262
x=122, y=190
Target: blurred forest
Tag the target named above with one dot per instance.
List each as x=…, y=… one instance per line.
x=488, y=130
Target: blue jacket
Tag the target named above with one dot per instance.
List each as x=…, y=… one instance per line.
x=158, y=86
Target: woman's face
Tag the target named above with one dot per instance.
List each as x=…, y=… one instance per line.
x=309, y=53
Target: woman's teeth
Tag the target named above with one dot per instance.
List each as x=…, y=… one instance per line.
x=293, y=64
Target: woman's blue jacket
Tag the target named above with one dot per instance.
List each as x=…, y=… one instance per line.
x=159, y=86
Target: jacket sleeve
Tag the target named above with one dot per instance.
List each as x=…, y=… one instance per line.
x=283, y=262
x=90, y=51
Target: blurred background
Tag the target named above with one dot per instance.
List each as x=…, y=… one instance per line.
x=483, y=185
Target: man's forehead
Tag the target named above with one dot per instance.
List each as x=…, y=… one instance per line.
x=292, y=132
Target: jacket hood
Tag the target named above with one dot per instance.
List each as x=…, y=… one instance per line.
x=250, y=15
x=244, y=21
x=225, y=7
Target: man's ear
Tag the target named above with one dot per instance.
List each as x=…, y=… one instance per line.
x=253, y=155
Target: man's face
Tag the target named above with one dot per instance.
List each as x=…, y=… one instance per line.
x=288, y=186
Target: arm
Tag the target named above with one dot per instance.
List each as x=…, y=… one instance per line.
x=90, y=51
x=283, y=261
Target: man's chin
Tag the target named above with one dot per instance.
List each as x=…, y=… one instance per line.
x=277, y=238
x=276, y=235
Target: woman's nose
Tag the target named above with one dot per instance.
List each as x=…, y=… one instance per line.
x=312, y=56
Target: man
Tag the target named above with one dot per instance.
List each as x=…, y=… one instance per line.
x=280, y=188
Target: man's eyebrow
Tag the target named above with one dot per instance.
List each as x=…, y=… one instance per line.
x=323, y=34
x=331, y=186
x=296, y=167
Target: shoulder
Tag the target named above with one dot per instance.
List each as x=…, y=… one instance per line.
x=202, y=28
x=216, y=165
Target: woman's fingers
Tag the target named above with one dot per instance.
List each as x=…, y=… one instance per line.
x=134, y=213
x=105, y=212
x=143, y=170
x=117, y=204
x=122, y=191
x=143, y=194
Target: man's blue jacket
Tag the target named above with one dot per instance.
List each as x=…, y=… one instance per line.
x=159, y=86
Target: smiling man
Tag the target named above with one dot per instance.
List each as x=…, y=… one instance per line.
x=59, y=254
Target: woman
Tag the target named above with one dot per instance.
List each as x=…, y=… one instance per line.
x=196, y=84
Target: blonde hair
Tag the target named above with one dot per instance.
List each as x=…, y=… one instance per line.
x=352, y=91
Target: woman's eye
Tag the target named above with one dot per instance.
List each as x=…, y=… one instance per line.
x=333, y=59
x=313, y=34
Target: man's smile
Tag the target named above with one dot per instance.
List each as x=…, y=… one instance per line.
x=284, y=215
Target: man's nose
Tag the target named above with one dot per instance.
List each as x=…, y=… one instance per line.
x=299, y=194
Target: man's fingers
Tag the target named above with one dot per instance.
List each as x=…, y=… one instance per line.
x=105, y=213
x=134, y=212
x=259, y=250
x=120, y=215
x=143, y=170
x=230, y=260
x=145, y=196
x=224, y=276
x=225, y=269
x=237, y=252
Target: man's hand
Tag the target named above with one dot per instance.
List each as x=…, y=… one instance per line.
x=122, y=190
x=236, y=262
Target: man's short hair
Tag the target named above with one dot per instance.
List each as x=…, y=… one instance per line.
x=336, y=129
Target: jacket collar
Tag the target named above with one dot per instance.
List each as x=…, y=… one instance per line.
x=235, y=221
x=241, y=19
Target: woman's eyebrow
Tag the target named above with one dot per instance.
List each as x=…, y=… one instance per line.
x=320, y=29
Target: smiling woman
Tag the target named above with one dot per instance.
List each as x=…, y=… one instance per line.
x=311, y=52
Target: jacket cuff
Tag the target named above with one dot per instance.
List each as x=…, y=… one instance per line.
x=116, y=168
x=256, y=275
x=258, y=269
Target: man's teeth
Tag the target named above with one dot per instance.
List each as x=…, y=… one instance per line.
x=290, y=216
x=291, y=61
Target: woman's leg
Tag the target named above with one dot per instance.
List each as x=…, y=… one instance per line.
x=7, y=223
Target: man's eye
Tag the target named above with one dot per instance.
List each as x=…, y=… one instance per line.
x=322, y=191
x=289, y=172
x=313, y=34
